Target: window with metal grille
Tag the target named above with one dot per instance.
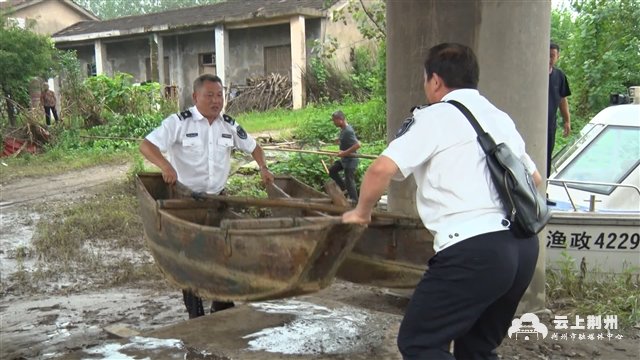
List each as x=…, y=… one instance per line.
x=207, y=63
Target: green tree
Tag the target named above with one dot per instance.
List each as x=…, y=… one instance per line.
x=371, y=18
x=601, y=55
x=109, y=9
x=23, y=56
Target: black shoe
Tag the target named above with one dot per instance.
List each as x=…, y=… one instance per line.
x=193, y=304
x=220, y=305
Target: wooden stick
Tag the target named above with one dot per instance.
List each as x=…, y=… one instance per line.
x=212, y=200
x=326, y=169
x=329, y=153
x=335, y=193
x=111, y=138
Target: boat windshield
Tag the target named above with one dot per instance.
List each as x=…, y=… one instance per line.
x=609, y=158
x=586, y=135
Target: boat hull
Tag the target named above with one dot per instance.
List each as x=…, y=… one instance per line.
x=390, y=253
x=205, y=248
x=593, y=241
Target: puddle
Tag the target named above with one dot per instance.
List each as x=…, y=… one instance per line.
x=316, y=330
x=43, y=325
x=139, y=344
x=16, y=230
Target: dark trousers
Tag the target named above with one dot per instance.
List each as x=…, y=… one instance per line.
x=349, y=182
x=551, y=141
x=468, y=295
x=194, y=304
x=192, y=301
x=47, y=116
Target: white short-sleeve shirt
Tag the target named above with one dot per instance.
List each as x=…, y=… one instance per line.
x=201, y=153
x=455, y=198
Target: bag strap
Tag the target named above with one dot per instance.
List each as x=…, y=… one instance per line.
x=484, y=138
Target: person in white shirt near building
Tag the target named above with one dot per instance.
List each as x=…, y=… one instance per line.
x=199, y=142
x=480, y=271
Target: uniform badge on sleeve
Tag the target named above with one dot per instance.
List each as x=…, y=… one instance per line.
x=406, y=125
x=241, y=133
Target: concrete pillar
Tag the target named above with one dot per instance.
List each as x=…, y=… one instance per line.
x=511, y=40
x=100, y=50
x=222, y=52
x=185, y=85
x=298, y=60
x=157, y=39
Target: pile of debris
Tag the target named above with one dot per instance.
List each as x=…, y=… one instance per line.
x=262, y=93
x=30, y=138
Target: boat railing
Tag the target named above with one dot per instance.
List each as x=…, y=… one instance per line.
x=563, y=183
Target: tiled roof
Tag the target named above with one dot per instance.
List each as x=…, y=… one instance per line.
x=20, y=4
x=223, y=12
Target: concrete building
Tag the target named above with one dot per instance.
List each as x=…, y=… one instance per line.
x=235, y=40
x=44, y=17
x=48, y=16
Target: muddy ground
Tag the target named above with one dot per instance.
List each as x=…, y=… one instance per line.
x=59, y=316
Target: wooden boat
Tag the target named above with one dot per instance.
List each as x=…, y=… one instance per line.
x=205, y=246
x=392, y=252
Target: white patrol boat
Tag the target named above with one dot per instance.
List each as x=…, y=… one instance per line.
x=595, y=184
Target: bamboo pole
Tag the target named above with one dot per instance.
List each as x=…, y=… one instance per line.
x=111, y=138
x=319, y=152
x=326, y=169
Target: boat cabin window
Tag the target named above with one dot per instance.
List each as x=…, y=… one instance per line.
x=609, y=158
x=587, y=134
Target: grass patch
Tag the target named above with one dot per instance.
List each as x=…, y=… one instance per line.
x=93, y=242
x=90, y=243
x=110, y=214
x=279, y=119
x=570, y=290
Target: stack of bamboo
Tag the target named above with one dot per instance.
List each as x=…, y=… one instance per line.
x=263, y=93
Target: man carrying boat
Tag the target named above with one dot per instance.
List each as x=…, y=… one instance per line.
x=199, y=142
x=480, y=271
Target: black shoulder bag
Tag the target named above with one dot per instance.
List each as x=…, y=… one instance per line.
x=525, y=208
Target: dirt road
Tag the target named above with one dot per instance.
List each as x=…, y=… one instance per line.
x=66, y=316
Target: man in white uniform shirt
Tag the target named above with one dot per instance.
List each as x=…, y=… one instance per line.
x=475, y=281
x=199, y=142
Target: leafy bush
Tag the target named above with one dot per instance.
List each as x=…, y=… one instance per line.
x=245, y=186
x=368, y=120
x=308, y=168
x=327, y=83
x=96, y=100
x=123, y=129
x=78, y=105
x=120, y=95
x=364, y=76
x=305, y=167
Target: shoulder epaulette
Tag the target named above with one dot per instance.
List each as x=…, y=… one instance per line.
x=418, y=107
x=228, y=119
x=184, y=115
